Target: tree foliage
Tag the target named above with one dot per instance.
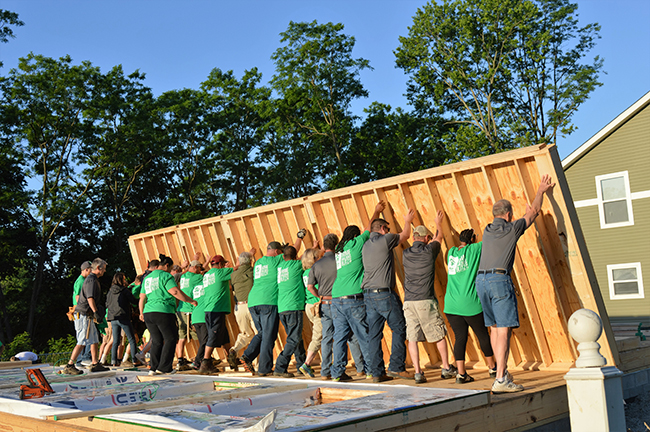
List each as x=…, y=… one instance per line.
x=508, y=72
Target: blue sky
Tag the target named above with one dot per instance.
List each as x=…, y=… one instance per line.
x=177, y=43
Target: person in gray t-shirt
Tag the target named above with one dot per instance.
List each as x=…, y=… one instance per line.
x=494, y=285
x=382, y=303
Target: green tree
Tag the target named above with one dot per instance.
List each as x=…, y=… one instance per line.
x=7, y=19
x=45, y=100
x=317, y=79
x=507, y=72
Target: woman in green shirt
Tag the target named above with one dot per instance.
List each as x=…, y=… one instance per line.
x=157, y=310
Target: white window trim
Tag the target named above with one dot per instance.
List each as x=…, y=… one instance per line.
x=610, y=277
x=628, y=199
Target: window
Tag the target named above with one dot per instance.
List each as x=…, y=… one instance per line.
x=625, y=281
x=614, y=200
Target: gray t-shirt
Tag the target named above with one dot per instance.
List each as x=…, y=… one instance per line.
x=90, y=289
x=499, y=243
x=378, y=265
x=323, y=274
x=419, y=270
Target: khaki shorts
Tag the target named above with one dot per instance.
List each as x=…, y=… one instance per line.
x=181, y=320
x=423, y=320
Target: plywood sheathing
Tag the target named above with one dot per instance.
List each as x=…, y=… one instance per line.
x=552, y=272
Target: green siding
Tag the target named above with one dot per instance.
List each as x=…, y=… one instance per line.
x=626, y=149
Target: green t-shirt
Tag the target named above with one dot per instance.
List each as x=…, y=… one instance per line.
x=187, y=283
x=198, y=312
x=156, y=287
x=309, y=297
x=349, y=267
x=76, y=290
x=265, y=281
x=216, y=285
x=135, y=289
x=291, y=290
x=461, y=297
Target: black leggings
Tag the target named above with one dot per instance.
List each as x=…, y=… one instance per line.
x=460, y=324
x=164, y=335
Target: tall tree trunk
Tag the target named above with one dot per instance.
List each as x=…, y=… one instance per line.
x=38, y=283
x=6, y=334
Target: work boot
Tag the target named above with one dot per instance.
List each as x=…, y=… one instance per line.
x=248, y=364
x=403, y=374
x=233, y=362
x=207, y=368
x=70, y=369
x=382, y=378
x=127, y=364
x=98, y=367
x=283, y=374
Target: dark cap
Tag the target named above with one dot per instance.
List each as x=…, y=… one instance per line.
x=274, y=245
x=86, y=265
x=217, y=259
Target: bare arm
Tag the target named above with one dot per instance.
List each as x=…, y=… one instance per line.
x=180, y=295
x=143, y=298
x=381, y=205
x=312, y=289
x=406, y=233
x=438, y=220
x=532, y=210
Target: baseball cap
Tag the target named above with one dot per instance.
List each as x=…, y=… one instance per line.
x=421, y=231
x=217, y=259
x=86, y=265
x=194, y=263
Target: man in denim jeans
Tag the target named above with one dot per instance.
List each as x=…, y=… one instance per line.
x=494, y=285
x=382, y=303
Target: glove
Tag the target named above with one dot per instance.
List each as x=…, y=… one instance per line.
x=302, y=233
x=99, y=317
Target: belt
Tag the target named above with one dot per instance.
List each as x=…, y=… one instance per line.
x=378, y=290
x=244, y=302
x=326, y=301
x=352, y=297
x=495, y=270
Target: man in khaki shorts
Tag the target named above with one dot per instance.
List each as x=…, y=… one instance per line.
x=241, y=281
x=421, y=310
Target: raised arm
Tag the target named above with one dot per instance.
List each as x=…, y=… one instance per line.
x=438, y=221
x=406, y=232
x=533, y=210
x=381, y=205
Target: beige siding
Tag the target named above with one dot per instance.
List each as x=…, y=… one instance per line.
x=627, y=149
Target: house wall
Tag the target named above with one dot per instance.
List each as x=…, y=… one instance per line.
x=627, y=149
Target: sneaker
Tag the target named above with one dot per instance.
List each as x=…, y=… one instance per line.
x=141, y=358
x=493, y=373
x=368, y=376
x=86, y=362
x=172, y=372
x=506, y=386
x=283, y=374
x=361, y=374
x=70, y=369
x=378, y=379
x=183, y=367
x=306, y=370
x=182, y=361
x=98, y=367
x=233, y=361
x=419, y=378
x=342, y=378
x=248, y=364
x=207, y=368
x=127, y=364
x=449, y=373
x=403, y=374
x=152, y=373
x=462, y=379
x=325, y=378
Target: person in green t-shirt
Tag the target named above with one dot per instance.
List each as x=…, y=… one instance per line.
x=462, y=305
x=216, y=305
x=76, y=290
x=291, y=304
x=157, y=309
x=263, y=306
x=187, y=282
x=198, y=322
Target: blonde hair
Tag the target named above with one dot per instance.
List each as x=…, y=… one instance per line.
x=309, y=258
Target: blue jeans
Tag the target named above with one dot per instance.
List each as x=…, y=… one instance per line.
x=382, y=308
x=292, y=322
x=328, y=336
x=498, y=299
x=349, y=319
x=123, y=323
x=357, y=356
x=266, y=320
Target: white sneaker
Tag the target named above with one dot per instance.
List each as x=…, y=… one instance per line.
x=86, y=362
x=506, y=386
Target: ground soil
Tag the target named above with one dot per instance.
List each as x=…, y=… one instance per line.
x=637, y=414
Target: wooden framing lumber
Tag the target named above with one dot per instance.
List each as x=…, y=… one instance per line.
x=553, y=274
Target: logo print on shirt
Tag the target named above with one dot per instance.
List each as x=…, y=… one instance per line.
x=283, y=275
x=198, y=291
x=261, y=271
x=457, y=264
x=185, y=283
x=343, y=258
x=209, y=279
x=150, y=284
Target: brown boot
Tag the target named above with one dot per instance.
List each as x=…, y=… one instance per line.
x=207, y=368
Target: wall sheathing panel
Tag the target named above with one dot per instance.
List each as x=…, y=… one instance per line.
x=552, y=271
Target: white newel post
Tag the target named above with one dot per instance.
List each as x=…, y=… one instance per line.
x=595, y=391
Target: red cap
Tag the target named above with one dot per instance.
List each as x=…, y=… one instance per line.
x=217, y=259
